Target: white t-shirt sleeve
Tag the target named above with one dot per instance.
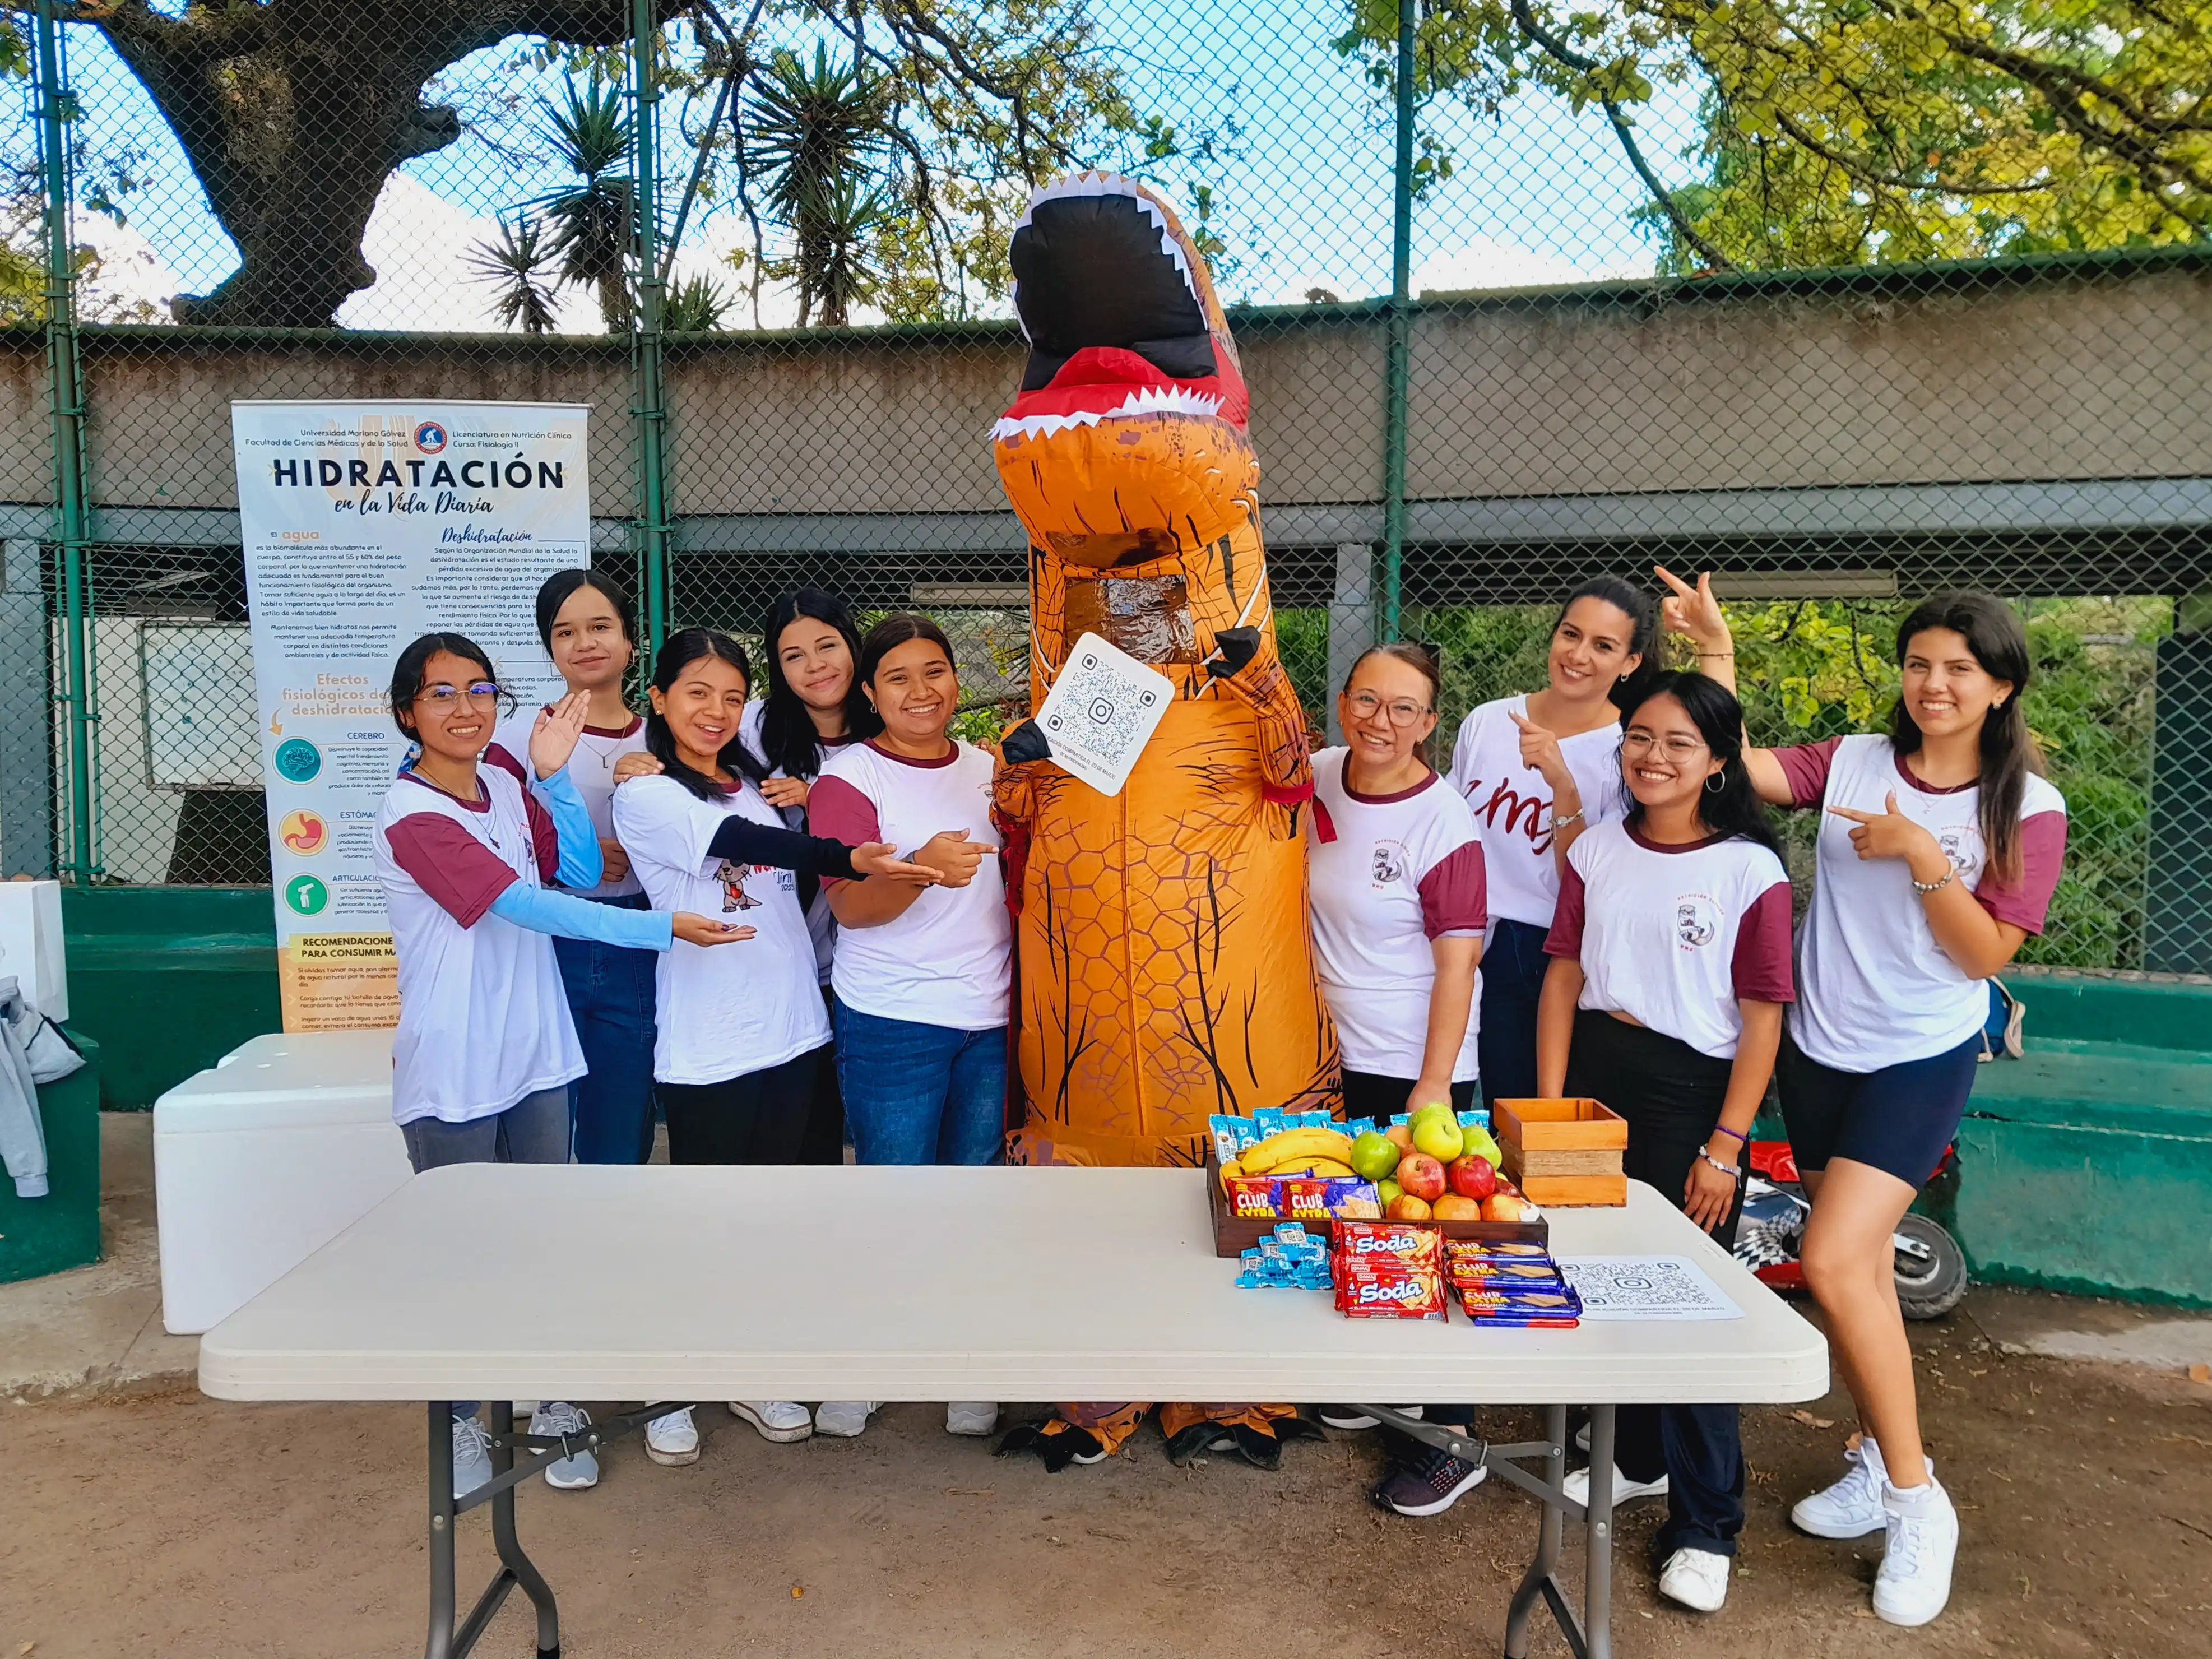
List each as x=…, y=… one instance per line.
x=660, y=822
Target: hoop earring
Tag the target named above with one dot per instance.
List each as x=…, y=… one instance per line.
x=1717, y=782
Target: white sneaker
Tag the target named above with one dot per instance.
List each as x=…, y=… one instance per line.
x=845, y=1419
x=1914, y=1581
x=1852, y=1507
x=1696, y=1578
x=776, y=1419
x=579, y=1469
x=1625, y=1490
x=672, y=1440
x=472, y=1455
x=971, y=1417
x=1353, y=1419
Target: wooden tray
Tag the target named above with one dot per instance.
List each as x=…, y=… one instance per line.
x=1566, y=1152
x=1233, y=1235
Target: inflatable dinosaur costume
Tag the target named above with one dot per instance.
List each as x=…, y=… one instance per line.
x=1165, y=970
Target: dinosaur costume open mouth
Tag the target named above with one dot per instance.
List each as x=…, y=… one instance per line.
x=1118, y=314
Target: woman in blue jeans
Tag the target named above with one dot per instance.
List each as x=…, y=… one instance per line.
x=584, y=617
x=922, y=975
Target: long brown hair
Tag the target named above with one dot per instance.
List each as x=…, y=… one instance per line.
x=1993, y=632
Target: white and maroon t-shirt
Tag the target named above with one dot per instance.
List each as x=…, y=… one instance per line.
x=1387, y=874
x=1676, y=937
x=948, y=960
x=724, y=1010
x=821, y=920
x=1879, y=991
x=592, y=770
x=484, y=1020
x=1512, y=804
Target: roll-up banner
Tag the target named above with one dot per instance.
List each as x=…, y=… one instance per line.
x=366, y=524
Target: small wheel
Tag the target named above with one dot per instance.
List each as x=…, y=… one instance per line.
x=1931, y=1269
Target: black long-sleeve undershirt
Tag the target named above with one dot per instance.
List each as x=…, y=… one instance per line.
x=743, y=841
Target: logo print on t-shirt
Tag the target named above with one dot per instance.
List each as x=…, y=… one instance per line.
x=1389, y=862
x=1529, y=814
x=732, y=877
x=1962, y=845
x=1696, y=921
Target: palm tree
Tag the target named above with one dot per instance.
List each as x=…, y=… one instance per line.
x=818, y=135
x=694, y=306
x=590, y=129
x=516, y=263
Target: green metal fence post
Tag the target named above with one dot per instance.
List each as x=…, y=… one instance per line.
x=651, y=408
x=1396, y=369
x=68, y=437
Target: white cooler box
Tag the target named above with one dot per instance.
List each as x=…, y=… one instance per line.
x=262, y=1161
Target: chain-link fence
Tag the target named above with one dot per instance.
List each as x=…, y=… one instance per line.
x=1676, y=289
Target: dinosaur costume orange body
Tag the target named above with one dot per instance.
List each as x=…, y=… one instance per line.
x=1165, y=967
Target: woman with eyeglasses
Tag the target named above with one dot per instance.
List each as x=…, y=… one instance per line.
x=1537, y=771
x=467, y=853
x=1670, y=967
x=1396, y=885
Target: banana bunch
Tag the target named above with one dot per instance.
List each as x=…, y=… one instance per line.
x=1295, y=1152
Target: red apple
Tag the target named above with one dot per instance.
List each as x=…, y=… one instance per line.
x=1473, y=1175
x=1421, y=1176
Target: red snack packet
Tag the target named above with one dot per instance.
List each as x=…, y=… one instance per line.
x=1390, y=1295
x=1306, y=1198
x=1255, y=1197
x=1405, y=1244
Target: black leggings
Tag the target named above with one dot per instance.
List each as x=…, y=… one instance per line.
x=758, y=1117
x=1671, y=1095
x=824, y=1139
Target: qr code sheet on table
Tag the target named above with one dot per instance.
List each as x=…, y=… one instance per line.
x=1648, y=1287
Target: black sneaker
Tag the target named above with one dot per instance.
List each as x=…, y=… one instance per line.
x=1355, y=1417
x=1428, y=1483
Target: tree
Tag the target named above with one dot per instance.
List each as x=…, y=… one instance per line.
x=590, y=220
x=294, y=113
x=1847, y=131
x=517, y=263
x=817, y=136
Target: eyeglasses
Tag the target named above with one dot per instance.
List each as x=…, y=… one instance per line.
x=1675, y=748
x=1403, y=712
x=444, y=699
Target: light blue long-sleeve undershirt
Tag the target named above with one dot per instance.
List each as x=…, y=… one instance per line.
x=542, y=910
x=581, y=865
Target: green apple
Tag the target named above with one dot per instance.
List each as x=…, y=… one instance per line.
x=1386, y=1190
x=1481, y=1141
x=1439, y=1137
x=1374, y=1155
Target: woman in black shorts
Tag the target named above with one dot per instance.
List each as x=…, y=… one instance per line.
x=1940, y=846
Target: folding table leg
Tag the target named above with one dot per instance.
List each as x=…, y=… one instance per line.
x=1597, y=1599
x=441, y=1643
x=1536, y=1583
x=519, y=1566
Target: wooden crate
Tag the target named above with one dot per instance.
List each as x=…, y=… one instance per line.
x=1564, y=1152
x=1234, y=1234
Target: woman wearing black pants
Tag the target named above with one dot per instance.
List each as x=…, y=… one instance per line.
x=1670, y=968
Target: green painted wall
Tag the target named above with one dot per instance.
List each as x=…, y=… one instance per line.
x=2086, y=1164
x=61, y=1229
x=168, y=980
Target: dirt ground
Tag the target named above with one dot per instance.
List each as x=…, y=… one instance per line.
x=178, y=1526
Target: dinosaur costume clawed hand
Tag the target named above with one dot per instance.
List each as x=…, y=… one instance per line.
x=1165, y=967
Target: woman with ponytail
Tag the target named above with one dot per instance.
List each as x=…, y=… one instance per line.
x=1537, y=771
x=1939, y=849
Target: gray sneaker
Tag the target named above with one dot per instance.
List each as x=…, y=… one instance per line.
x=471, y=1456
x=580, y=1468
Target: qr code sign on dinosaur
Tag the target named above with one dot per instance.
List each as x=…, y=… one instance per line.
x=1101, y=712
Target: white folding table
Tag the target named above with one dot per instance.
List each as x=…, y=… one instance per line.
x=904, y=1283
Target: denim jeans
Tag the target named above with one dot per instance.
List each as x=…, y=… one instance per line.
x=921, y=1094
x=611, y=997
x=534, y=1130
x=1513, y=969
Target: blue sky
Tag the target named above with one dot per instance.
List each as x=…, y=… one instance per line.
x=1301, y=178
